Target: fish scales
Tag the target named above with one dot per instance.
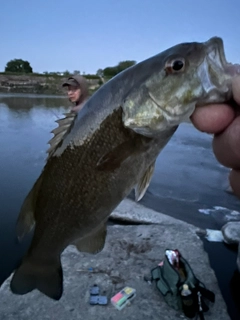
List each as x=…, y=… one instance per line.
x=73, y=185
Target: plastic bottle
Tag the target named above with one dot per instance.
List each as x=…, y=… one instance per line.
x=188, y=302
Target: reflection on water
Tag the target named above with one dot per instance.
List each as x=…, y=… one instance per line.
x=26, y=102
x=25, y=125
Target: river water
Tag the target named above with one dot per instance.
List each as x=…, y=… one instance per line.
x=187, y=179
x=25, y=125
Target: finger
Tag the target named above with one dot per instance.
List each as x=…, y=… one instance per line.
x=226, y=145
x=213, y=118
x=234, y=179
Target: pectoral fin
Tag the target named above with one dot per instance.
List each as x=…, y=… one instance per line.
x=26, y=219
x=114, y=158
x=144, y=182
x=94, y=242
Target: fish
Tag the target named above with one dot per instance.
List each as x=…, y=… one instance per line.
x=99, y=155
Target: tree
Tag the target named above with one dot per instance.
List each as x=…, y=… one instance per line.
x=100, y=73
x=112, y=71
x=76, y=72
x=125, y=64
x=66, y=73
x=18, y=65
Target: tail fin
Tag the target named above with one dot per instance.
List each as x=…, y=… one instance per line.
x=46, y=277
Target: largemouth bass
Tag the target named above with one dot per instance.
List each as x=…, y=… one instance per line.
x=109, y=148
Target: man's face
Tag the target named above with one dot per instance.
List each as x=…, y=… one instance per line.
x=74, y=93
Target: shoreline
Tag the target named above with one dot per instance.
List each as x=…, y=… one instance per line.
x=48, y=84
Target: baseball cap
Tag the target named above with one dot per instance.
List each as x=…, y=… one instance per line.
x=71, y=82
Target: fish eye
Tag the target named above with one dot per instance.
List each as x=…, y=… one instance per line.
x=175, y=65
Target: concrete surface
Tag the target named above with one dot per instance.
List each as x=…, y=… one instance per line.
x=129, y=253
x=127, y=212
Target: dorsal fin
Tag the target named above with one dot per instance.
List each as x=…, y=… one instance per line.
x=64, y=126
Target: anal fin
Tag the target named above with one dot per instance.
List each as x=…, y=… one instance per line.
x=94, y=242
x=144, y=182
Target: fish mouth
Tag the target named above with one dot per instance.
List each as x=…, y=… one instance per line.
x=216, y=73
x=216, y=53
x=216, y=56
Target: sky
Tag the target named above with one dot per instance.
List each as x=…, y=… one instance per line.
x=56, y=36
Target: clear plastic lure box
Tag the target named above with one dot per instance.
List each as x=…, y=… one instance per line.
x=123, y=297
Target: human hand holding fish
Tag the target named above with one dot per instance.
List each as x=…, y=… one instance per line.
x=223, y=120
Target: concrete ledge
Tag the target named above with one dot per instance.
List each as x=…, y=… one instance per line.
x=129, y=253
x=132, y=212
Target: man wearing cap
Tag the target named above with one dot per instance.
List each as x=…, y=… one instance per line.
x=77, y=90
